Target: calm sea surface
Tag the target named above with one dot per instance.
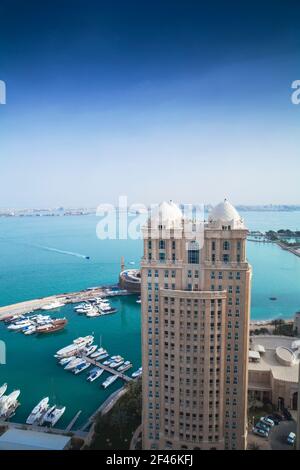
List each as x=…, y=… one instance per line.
x=29, y=268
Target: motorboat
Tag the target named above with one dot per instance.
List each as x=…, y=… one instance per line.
x=137, y=373
x=75, y=347
x=98, y=353
x=81, y=367
x=53, y=415
x=8, y=403
x=103, y=356
x=3, y=389
x=71, y=365
x=38, y=411
x=115, y=364
x=19, y=325
x=89, y=350
x=94, y=374
x=109, y=381
x=65, y=360
x=29, y=330
x=127, y=365
x=55, y=325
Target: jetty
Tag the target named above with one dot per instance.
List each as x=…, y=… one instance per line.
x=73, y=421
x=122, y=376
x=22, y=308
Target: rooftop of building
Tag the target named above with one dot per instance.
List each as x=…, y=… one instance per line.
x=23, y=439
x=280, y=356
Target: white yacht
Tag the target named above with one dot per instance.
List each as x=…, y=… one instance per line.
x=127, y=365
x=38, y=411
x=71, y=365
x=29, y=330
x=115, y=364
x=3, y=389
x=75, y=347
x=52, y=305
x=19, y=325
x=81, y=367
x=109, y=381
x=53, y=415
x=94, y=374
x=89, y=350
x=65, y=360
x=8, y=404
x=98, y=353
x=137, y=373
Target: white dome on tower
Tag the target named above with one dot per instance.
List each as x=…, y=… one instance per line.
x=225, y=214
x=166, y=214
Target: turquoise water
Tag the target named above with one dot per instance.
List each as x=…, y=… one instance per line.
x=28, y=271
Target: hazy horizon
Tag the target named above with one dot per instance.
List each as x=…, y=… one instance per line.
x=158, y=101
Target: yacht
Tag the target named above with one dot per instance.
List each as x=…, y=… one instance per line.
x=3, y=389
x=98, y=353
x=19, y=325
x=111, y=379
x=71, y=365
x=137, y=373
x=103, y=356
x=127, y=365
x=8, y=404
x=88, y=351
x=65, y=360
x=93, y=313
x=53, y=415
x=94, y=374
x=75, y=347
x=115, y=364
x=29, y=330
x=52, y=305
x=81, y=367
x=38, y=411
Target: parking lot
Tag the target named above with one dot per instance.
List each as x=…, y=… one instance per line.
x=277, y=437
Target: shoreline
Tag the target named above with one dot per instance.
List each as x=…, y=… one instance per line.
x=27, y=306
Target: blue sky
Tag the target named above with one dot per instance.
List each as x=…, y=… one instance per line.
x=155, y=100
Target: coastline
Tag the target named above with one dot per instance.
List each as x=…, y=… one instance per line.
x=67, y=298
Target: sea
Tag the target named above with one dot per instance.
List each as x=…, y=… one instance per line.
x=40, y=256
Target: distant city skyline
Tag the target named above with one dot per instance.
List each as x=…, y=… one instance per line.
x=139, y=99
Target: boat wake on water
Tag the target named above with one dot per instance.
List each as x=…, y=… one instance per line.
x=63, y=252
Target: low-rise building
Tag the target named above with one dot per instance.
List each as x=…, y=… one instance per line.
x=273, y=370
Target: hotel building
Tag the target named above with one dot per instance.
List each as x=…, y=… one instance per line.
x=195, y=291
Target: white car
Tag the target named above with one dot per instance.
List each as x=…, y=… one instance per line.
x=267, y=421
x=291, y=438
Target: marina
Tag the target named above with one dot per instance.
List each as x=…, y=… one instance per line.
x=46, y=277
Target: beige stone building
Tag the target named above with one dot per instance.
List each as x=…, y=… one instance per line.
x=274, y=370
x=195, y=290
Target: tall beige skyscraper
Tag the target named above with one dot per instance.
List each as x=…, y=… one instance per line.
x=196, y=285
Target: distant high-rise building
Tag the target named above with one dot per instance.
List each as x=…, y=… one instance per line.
x=195, y=290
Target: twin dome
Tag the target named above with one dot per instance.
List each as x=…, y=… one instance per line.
x=169, y=214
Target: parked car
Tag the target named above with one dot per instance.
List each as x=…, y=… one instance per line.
x=263, y=426
x=278, y=416
x=267, y=421
x=260, y=432
x=287, y=414
x=291, y=438
x=273, y=418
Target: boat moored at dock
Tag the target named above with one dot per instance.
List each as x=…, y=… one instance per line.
x=75, y=347
x=110, y=380
x=38, y=411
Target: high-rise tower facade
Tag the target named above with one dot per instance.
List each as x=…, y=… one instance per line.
x=195, y=290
